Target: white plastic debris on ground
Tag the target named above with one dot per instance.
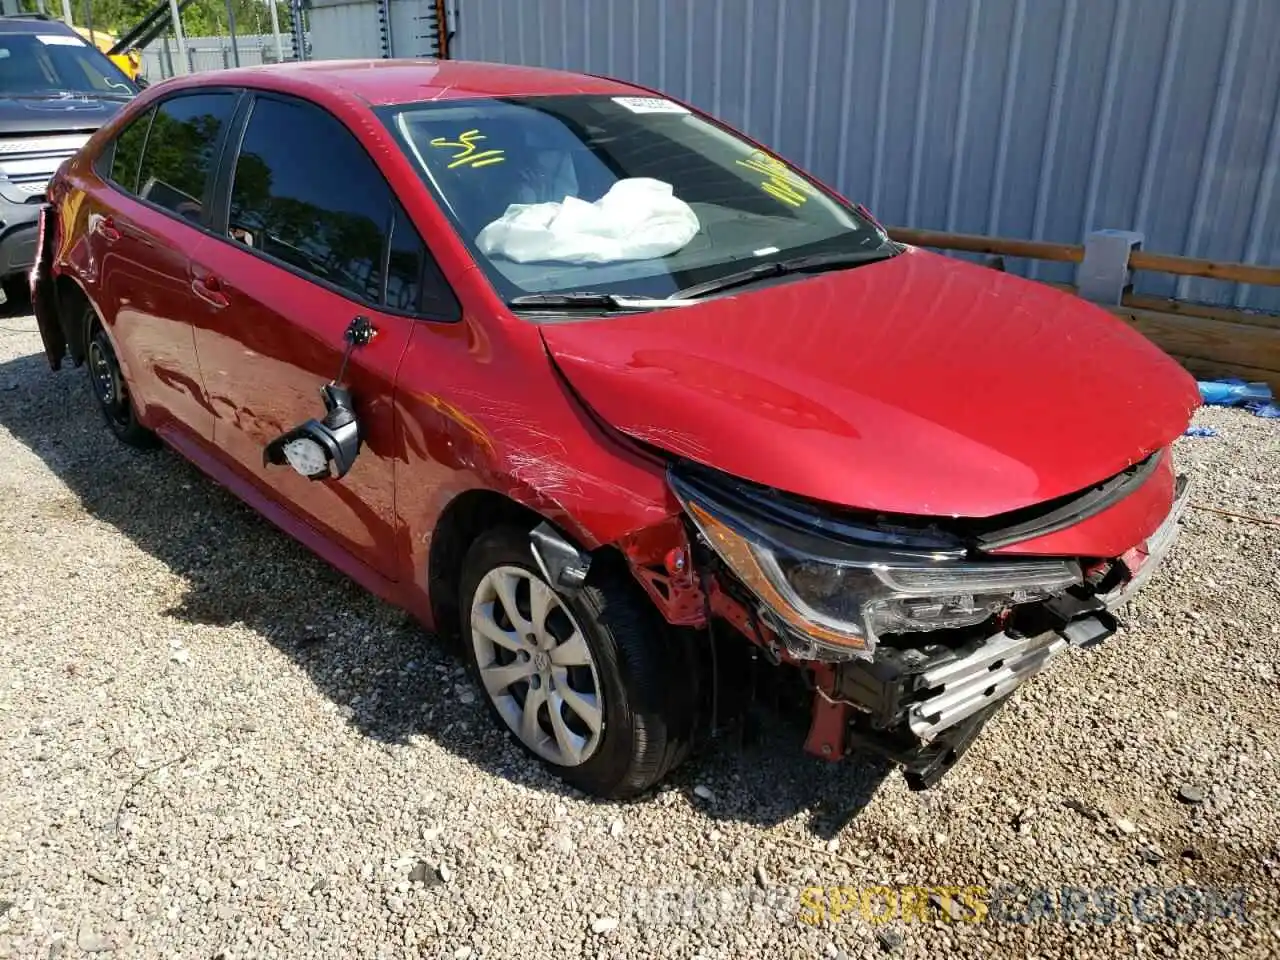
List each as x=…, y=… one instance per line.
x=639, y=218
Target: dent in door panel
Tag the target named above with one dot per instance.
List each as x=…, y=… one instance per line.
x=265, y=357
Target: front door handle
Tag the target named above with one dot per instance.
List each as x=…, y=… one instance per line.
x=208, y=288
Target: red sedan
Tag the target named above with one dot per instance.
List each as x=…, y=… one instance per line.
x=585, y=378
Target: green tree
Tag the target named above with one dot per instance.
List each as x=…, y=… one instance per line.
x=201, y=18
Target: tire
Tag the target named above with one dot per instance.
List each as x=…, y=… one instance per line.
x=17, y=293
x=110, y=390
x=640, y=674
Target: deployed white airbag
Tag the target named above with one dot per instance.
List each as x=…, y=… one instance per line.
x=637, y=219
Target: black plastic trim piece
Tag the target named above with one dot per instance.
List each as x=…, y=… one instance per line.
x=1055, y=515
x=931, y=763
x=810, y=529
x=941, y=537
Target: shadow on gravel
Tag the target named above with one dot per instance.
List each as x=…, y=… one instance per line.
x=374, y=662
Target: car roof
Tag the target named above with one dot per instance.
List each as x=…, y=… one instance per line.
x=380, y=82
x=31, y=23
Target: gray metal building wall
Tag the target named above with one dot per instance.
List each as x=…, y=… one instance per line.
x=345, y=29
x=1020, y=118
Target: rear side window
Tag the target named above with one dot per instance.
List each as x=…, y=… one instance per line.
x=126, y=153
x=179, y=160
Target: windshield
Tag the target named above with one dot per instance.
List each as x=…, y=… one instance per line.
x=50, y=65
x=633, y=196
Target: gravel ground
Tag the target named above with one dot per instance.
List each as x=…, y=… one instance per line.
x=199, y=760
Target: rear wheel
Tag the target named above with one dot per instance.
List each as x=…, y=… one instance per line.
x=17, y=292
x=593, y=684
x=109, y=388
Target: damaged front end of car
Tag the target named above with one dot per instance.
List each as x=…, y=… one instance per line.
x=910, y=632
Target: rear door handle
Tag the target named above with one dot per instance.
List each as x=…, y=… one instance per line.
x=130, y=232
x=105, y=227
x=208, y=288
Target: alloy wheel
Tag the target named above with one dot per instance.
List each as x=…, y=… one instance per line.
x=536, y=665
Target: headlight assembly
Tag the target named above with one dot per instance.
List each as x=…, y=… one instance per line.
x=841, y=598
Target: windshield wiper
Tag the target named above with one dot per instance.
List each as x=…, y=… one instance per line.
x=814, y=263
x=587, y=300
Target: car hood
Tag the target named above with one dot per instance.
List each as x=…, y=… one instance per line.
x=916, y=385
x=23, y=115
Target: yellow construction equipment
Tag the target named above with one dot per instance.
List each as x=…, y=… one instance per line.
x=130, y=61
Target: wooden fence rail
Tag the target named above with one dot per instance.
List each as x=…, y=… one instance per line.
x=1210, y=341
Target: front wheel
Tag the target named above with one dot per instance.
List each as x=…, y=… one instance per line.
x=593, y=684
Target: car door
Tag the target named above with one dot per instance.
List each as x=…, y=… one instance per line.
x=146, y=216
x=311, y=237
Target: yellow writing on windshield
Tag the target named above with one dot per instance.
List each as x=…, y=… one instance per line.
x=779, y=181
x=468, y=155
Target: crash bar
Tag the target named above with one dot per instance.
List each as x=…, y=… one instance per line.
x=1074, y=253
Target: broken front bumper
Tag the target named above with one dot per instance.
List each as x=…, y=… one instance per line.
x=923, y=706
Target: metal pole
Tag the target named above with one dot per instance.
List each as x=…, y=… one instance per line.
x=178, y=38
x=275, y=31
x=231, y=28
x=299, y=31
x=384, y=28
x=66, y=13
x=88, y=20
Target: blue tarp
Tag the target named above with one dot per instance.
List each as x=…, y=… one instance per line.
x=1254, y=397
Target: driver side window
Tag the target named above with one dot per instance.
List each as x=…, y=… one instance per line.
x=303, y=194
x=306, y=194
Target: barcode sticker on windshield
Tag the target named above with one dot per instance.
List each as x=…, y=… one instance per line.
x=649, y=105
x=57, y=40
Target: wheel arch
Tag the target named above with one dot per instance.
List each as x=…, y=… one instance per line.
x=70, y=298
x=465, y=518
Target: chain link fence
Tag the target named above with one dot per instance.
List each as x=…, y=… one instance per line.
x=160, y=59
